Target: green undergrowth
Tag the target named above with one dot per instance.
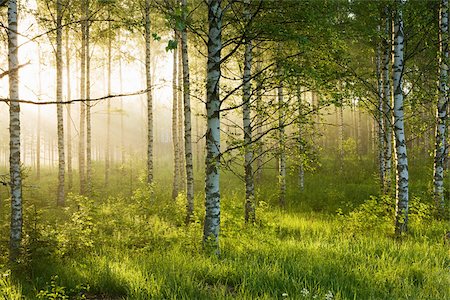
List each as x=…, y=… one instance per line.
x=138, y=248
x=332, y=241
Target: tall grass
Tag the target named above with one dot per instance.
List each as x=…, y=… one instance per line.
x=132, y=244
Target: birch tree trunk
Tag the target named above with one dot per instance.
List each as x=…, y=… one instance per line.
x=122, y=113
x=282, y=136
x=301, y=170
x=401, y=211
x=387, y=45
x=69, y=115
x=187, y=119
x=381, y=127
x=441, y=114
x=88, y=105
x=59, y=108
x=176, y=148
x=341, y=137
x=180, y=120
x=212, y=190
x=14, y=135
x=250, y=215
x=38, y=134
x=82, y=144
x=108, y=108
x=149, y=95
x=259, y=122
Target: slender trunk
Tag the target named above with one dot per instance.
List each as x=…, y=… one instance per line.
x=401, y=212
x=59, y=108
x=82, y=144
x=212, y=192
x=108, y=109
x=248, y=138
x=282, y=137
x=301, y=170
x=341, y=138
x=14, y=135
x=181, y=122
x=38, y=128
x=149, y=95
x=387, y=111
x=122, y=112
x=259, y=121
x=69, y=115
x=441, y=114
x=381, y=127
x=176, y=148
x=187, y=120
x=88, y=106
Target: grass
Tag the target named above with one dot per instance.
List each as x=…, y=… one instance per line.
x=136, y=247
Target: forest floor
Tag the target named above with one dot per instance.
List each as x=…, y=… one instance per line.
x=333, y=241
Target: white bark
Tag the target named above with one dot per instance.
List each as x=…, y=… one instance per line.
x=82, y=136
x=248, y=135
x=212, y=191
x=387, y=106
x=88, y=105
x=401, y=212
x=187, y=120
x=381, y=129
x=260, y=118
x=108, y=108
x=59, y=107
x=176, y=148
x=341, y=138
x=180, y=120
x=14, y=134
x=38, y=127
x=69, y=114
x=282, y=137
x=301, y=169
x=441, y=113
x=149, y=94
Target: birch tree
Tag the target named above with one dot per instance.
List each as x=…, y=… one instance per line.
x=187, y=117
x=381, y=119
x=14, y=134
x=82, y=135
x=59, y=107
x=149, y=94
x=441, y=113
x=212, y=192
x=246, y=109
x=387, y=107
x=176, y=148
x=69, y=114
x=108, y=108
x=401, y=211
x=88, y=102
x=282, y=142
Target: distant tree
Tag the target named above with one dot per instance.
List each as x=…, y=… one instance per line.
x=59, y=109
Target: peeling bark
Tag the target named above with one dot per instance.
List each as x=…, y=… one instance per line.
x=149, y=94
x=187, y=120
x=14, y=136
x=59, y=107
x=212, y=192
x=441, y=113
x=250, y=213
x=402, y=195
